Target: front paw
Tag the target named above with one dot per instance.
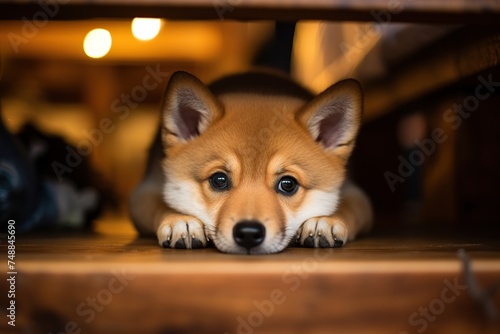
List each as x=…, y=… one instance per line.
x=181, y=231
x=326, y=231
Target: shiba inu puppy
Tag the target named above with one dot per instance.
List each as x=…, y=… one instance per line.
x=252, y=163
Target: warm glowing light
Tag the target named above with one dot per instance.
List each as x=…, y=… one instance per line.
x=97, y=43
x=145, y=29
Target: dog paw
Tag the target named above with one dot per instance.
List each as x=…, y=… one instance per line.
x=322, y=232
x=181, y=231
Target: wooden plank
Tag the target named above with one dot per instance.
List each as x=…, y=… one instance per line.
x=480, y=11
x=302, y=302
x=102, y=283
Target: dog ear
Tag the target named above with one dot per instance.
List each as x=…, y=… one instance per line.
x=333, y=117
x=189, y=107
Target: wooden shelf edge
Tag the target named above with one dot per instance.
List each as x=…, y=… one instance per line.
x=252, y=266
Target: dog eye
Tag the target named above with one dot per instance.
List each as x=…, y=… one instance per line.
x=219, y=181
x=287, y=185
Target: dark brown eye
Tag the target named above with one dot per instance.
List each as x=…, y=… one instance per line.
x=219, y=181
x=287, y=185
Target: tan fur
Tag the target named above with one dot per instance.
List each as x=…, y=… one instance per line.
x=256, y=139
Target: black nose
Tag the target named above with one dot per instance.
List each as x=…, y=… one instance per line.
x=249, y=233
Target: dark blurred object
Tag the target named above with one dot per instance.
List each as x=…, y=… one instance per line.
x=31, y=195
x=23, y=197
x=277, y=52
x=43, y=149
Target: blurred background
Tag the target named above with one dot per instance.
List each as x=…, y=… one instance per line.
x=97, y=86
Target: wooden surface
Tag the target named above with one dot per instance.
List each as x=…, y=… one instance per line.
x=463, y=11
x=372, y=285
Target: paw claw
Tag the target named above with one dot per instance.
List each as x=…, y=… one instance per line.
x=309, y=242
x=210, y=244
x=322, y=232
x=324, y=243
x=181, y=231
x=180, y=244
x=196, y=243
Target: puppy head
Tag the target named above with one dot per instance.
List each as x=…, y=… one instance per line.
x=253, y=167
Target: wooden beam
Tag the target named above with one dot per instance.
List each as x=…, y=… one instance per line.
x=464, y=53
x=444, y=11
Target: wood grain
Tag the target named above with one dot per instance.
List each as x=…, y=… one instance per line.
x=372, y=285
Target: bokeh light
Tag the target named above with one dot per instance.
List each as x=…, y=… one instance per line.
x=97, y=43
x=146, y=29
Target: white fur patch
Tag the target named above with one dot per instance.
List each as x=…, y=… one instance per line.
x=318, y=203
x=184, y=197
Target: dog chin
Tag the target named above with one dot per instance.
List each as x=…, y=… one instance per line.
x=275, y=245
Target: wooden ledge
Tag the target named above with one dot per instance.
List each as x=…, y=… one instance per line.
x=378, y=284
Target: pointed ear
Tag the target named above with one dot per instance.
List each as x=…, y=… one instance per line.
x=189, y=107
x=334, y=116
